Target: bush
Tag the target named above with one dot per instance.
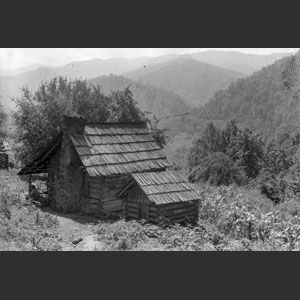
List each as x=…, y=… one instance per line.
x=218, y=169
x=22, y=225
x=236, y=216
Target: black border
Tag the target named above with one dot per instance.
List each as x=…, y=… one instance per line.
x=134, y=274
x=139, y=275
x=148, y=24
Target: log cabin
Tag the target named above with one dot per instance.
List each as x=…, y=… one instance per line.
x=88, y=164
x=156, y=196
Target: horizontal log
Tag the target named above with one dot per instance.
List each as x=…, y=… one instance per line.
x=153, y=214
x=132, y=210
x=132, y=215
x=91, y=207
x=93, y=195
x=153, y=220
x=172, y=213
x=177, y=205
x=179, y=210
x=105, y=199
x=111, y=195
x=181, y=215
x=92, y=180
x=153, y=208
x=112, y=204
x=92, y=189
x=133, y=205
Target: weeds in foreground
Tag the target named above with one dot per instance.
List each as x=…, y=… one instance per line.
x=230, y=220
x=22, y=225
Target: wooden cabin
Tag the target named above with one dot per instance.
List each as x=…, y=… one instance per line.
x=158, y=195
x=88, y=164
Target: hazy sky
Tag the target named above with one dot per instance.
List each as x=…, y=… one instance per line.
x=19, y=57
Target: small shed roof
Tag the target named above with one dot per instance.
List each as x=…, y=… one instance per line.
x=110, y=149
x=165, y=187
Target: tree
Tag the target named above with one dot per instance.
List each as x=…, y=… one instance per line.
x=218, y=169
x=3, y=119
x=241, y=149
x=38, y=116
x=209, y=142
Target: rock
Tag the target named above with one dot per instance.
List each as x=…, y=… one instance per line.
x=208, y=247
x=77, y=241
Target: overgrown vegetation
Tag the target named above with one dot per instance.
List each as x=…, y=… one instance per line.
x=231, y=219
x=23, y=226
x=225, y=156
x=39, y=116
x=251, y=182
x=3, y=119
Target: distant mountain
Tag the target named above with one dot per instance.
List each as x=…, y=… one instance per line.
x=237, y=61
x=10, y=72
x=260, y=102
x=195, y=82
x=149, y=98
x=10, y=85
x=192, y=80
x=99, y=67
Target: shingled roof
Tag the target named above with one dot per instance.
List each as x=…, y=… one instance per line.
x=40, y=164
x=164, y=187
x=113, y=149
x=118, y=148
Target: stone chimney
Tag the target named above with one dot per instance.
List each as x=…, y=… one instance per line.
x=73, y=124
x=69, y=175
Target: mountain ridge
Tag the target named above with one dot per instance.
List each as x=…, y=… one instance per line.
x=10, y=85
x=192, y=80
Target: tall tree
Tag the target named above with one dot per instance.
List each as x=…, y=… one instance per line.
x=228, y=149
x=38, y=116
x=3, y=119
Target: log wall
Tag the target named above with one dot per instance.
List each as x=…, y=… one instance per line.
x=90, y=202
x=133, y=205
x=175, y=212
x=111, y=186
x=179, y=212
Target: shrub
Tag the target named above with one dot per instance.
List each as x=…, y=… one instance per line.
x=218, y=169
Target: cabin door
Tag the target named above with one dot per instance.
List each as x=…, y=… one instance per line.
x=144, y=209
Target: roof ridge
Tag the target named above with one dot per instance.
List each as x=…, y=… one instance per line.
x=116, y=123
x=164, y=183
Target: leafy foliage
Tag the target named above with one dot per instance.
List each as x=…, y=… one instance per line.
x=224, y=156
x=22, y=225
x=218, y=169
x=39, y=115
x=3, y=119
x=238, y=216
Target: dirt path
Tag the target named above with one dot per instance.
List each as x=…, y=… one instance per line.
x=72, y=227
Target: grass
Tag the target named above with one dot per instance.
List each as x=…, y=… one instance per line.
x=231, y=219
x=23, y=226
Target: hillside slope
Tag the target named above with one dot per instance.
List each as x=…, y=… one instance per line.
x=192, y=80
x=260, y=102
x=10, y=85
x=237, y=61
x=149, y=98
